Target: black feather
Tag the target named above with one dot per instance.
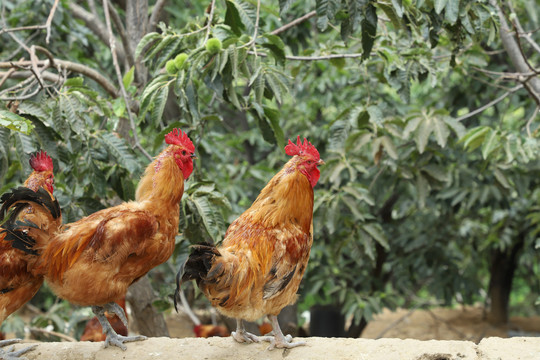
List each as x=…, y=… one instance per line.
x=17, y=233
x=25, y=196
x=6, y=290
x=195, y=267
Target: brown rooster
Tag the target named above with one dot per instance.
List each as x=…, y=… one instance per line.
x=17, y=283
x=257, y=269
x=93, y=261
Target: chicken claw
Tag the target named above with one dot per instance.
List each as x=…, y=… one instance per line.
x=279, y=340
x=241, y=335
x=11, y=354
x=112, y=337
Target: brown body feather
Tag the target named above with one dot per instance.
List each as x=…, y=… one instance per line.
x=265, y=251
x=93, y=261
x=18, y=282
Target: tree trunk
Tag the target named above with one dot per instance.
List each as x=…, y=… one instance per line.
x=149, y=322
x=503, y=266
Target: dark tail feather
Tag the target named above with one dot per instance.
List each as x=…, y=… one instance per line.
x=26, y=196
x=17, y=233
x=195, y=267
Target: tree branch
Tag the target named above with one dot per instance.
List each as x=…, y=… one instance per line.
x=95, y=25
x=46, y=26
x=532, y=84
x=112, y=44
x=209, y=21
x=156, y=12
x=123, y=36
x=71, y=66
x=49, y=21
x=490, y=104
x=294, y=23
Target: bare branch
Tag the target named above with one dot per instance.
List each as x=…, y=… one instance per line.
x=532, y=84
x=112, y=44
x=49, y=21
x=294, y=23
x=531, y=119
x=520, y=32
x=209, y=21
x=94, y=24
x=490, y=104
x=123, y=36
x=156, y=12
x=71, y=66
x=54, y=333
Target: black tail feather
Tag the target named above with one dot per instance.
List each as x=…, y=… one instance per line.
x=17, y=233
x=24, y=195
x=196, y=266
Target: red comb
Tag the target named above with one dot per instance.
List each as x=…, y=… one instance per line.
x=177, y=137
x=301, y=148
x=40, y=161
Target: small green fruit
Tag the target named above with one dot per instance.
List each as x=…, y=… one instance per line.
x=170, y=67
x=213, y=46
x=180, y=61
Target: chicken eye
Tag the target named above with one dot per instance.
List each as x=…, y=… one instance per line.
x=183, y=152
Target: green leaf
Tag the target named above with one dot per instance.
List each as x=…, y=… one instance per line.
x=273, y=115
x=439, y=5
x=284, y=6
x=451, y=11
x=441, y=131
x=128, y=78
x=491, y=142
x=118, y=148
x=148, y=38
x=474, y=138
x=232, y=18
x=369, y=30
x=15, y=122
x=389, y=147
x=398, y=6
x=501, y=178
x=160, y=101
x=422, y=134
x=74, y=81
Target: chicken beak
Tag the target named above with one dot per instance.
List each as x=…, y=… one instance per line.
x=320, y=162
x=193, y=156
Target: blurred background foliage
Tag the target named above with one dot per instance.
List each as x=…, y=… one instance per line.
x=429, y=130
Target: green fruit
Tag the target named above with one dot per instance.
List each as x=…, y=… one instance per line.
x=180, y=61
x=213, y=46
x=170, y=67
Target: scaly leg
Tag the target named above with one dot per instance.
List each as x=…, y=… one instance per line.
x=280, y=341
x=11, y=354
x=112, y=337
x=241, y=335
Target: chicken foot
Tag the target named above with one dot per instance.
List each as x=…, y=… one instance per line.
x=241, y=335
x=279, y=340
x=11, y=354
x=112, y=337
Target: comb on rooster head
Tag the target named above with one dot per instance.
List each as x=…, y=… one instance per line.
x=40, y=161
x=300, y=148
x=177, y=137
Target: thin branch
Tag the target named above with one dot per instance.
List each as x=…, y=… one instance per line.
x=95, y=25
x=312, y=58
x=71, y=66
x=49, y=21
x=209, y=21
x=54, y=333
x=251, y=43
x=112, y=44
x=123, y=35
x=156, y=12
x=6, y=76
x=490, y=104
x=528, y=126
x=294, y=23
x=520, y=32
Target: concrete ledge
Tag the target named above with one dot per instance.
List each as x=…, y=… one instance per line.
x=317, y=348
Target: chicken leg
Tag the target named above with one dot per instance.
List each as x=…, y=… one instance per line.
x=112, y=337
x=279, y=340
x=241, y=335
x=11, y=354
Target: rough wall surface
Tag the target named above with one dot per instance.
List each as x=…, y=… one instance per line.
x=317, y=349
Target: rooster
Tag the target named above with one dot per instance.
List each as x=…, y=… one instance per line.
x=17, y=283
x=258, y=268
x=93, y=261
